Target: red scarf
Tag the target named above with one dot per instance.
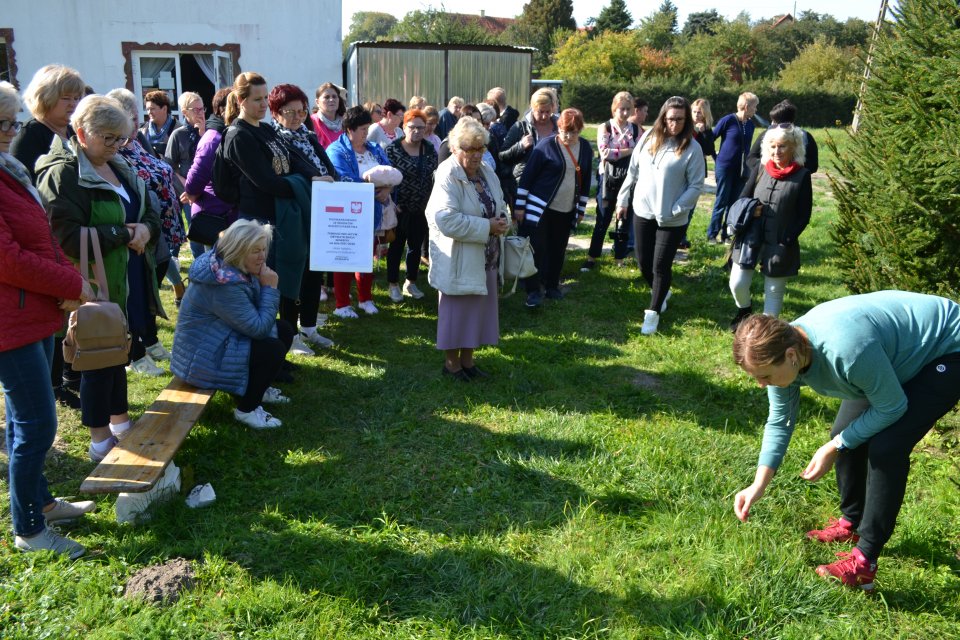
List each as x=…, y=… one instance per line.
x=780, y=174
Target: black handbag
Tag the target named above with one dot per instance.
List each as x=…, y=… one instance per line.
x=206, y=228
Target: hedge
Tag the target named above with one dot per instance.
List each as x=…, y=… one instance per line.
x=814, y=109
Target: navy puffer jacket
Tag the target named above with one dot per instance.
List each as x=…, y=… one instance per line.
x=222, y=311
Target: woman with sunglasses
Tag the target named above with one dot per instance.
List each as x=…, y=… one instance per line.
x=84, y=184
x=665, y=179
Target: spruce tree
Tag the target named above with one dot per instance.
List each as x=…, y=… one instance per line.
x=614, y=17
x=898, y=182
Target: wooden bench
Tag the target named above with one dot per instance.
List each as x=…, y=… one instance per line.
x=139, y=460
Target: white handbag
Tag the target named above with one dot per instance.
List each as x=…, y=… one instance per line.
x=517, y=256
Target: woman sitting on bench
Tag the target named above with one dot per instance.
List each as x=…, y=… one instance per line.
x=233, y=300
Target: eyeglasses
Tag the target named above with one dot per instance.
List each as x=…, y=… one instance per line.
x=782, y=125
x=479, y=149
x=112, y=141
x=195, y=109
x=289, y=113
x=414, y=127
x=10, y=125
x=675, y=119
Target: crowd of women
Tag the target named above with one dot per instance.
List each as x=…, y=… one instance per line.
x=456, y=181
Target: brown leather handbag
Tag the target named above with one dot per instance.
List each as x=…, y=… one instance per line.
x=97, y=334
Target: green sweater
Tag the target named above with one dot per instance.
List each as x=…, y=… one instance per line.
x=864, y=347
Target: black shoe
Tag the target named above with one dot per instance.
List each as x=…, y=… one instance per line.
x=72, y=384
x=742, y=314
x=459, y=374
x=588, y=265
x=475, y=372
x=534, y=300
x=684, y=244
x=66, y=398
x=555, y=294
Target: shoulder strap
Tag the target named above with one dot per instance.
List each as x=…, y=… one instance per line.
x=98, y=270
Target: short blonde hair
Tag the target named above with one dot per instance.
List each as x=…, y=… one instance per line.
x=127, y=100
x=48, y=85
x=623, y=96
x=9, y=100
x=417, y=102
x=543, y=97
x=454, y=102
x=746, y=98
x=186, y=99
x=468, y=132
x=793, y=136
x=101, y=115
x=431, y=112
x=239, y=240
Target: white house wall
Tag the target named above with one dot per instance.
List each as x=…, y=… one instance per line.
x=296, y=41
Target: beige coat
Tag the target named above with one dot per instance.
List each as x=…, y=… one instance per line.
x=458, y=230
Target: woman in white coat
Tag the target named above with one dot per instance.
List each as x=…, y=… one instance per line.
x=467, y=217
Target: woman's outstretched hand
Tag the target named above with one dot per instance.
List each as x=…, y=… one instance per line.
x=821, y=462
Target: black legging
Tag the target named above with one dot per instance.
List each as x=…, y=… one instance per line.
x=549, y=240
x=656, y=248
x=873, y=477
x=266, y=357
x=305, y=309
x=411, y=231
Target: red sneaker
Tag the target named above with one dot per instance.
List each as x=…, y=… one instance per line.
x=852, y=569
x=836, y=531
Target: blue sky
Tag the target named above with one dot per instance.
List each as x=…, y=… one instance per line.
x=585, y=9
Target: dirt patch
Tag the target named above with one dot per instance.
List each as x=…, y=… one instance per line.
x=161, y=584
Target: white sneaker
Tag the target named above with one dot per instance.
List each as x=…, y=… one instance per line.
x=650, y=321
x=663, y=307
x=158, y=351
x=369, y=307
x=274, y=396
x=394, y=293
x=297, y=347
x=67, y=511
x=314, y=338
x=47, y=540
x=345, y=312
x=411, y=289
x=324, y=296
x=257, y=419
x=145, y=366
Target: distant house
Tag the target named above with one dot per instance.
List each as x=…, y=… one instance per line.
x=175, y=45
x=493, y=26
x=782, y=20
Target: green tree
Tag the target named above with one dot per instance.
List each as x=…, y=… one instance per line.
x=729, y=55
x=436, y=25
x=898, y=221
x=536, y=25
x=702, y=22
x=368, y=26
x=613, y=17
x=821, y=66
x=659, y=30
x=611, y=55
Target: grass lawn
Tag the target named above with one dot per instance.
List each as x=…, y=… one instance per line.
x=585, y=491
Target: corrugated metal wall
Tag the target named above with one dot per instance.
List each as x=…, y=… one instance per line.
x=473, y=73
x=379, y=72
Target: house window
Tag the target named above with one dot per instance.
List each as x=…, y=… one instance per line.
x=8, y=64
x=174, y=69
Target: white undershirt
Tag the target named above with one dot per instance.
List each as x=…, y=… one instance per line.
x=120, y=191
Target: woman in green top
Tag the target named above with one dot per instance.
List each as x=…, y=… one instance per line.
x=894, y=359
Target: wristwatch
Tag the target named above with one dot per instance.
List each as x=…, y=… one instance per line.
x=838, y=443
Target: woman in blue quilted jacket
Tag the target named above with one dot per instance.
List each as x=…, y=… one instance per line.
x=228, y=336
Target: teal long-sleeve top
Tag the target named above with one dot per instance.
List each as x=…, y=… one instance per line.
x=864, y=347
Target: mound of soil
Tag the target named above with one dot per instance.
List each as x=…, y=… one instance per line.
x=161, y=583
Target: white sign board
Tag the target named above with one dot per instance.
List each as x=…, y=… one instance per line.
x=341, y=227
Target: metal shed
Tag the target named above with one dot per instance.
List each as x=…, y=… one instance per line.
x=380, y=70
